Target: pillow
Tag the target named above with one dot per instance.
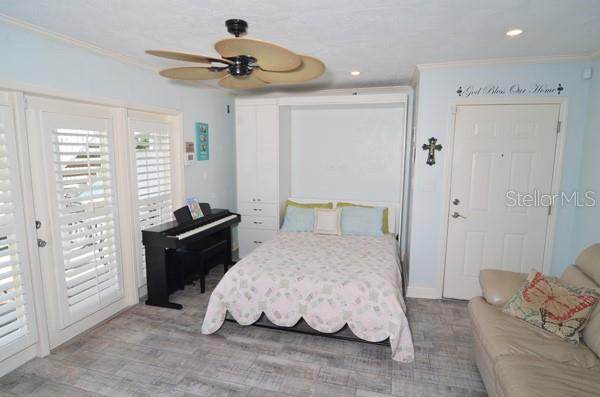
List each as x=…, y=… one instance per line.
x=386, y=224
x=554, y=306
x=362, y=221
x=327, y=221
x=290, y=203
x=298, y=219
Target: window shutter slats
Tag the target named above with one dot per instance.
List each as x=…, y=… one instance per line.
x=152, y=142
x=13, y=313
x=85, y=212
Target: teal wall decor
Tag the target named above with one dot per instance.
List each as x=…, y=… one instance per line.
x=202, y=148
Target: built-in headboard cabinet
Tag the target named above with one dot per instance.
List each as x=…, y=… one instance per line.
x=262, y=171
x=263, y=146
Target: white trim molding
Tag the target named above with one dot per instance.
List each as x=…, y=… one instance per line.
x=84, y=45
x=509, y=60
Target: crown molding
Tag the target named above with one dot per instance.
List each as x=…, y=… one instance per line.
x=504, y=61
x=23, y=25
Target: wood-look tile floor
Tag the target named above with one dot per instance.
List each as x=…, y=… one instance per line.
x=149, y=351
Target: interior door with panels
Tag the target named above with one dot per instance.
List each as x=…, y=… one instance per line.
x=499, y=151
x=73, y=163
x=18, y=330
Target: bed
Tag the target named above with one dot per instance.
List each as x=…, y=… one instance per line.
x=328, y=281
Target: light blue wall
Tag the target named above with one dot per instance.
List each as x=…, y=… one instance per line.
x=437, y=90
x=587, y=230
x=31, y=59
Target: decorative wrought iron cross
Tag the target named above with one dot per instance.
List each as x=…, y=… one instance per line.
x=431, y=147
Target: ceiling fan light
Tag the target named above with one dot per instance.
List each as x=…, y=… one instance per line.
x=515, y=32
x=355, y=73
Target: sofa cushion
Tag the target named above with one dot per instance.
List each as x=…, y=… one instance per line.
x=501, y=334
x=498, y=286
x=591, y=332
x=527, y=376
x=553, y=305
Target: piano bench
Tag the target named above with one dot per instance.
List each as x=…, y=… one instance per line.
x=200, y=260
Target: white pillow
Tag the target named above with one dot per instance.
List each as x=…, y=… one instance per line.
x=328, y=221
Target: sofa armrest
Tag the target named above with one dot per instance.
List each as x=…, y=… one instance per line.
x=498, y=286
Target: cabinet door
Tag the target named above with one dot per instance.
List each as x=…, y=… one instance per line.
x=246, y=153
x=267, y=145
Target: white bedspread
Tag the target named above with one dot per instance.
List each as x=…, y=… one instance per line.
x=329, y=281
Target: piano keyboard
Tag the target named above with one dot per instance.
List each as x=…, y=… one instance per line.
x=205, y=227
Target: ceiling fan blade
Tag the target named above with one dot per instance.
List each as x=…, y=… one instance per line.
x=193, y=73
x=268, y=55
x=186, y=56
x=310, y=69
x=242, y=82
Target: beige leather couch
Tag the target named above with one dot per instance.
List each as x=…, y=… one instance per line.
x=518, y=359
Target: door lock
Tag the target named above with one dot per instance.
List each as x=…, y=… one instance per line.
x=457, y=215
x=41, y=243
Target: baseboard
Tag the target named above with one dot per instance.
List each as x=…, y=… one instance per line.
x=15, y=361
x=422, y=292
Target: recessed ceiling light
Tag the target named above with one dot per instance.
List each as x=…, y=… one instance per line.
x=514, y=32
x=355, y=73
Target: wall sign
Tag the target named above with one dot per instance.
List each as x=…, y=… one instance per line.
x=514, y=89
x=202, y=149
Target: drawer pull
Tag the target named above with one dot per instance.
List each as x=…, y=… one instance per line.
x=257, y=242
x=257, y=223
x=256, y=209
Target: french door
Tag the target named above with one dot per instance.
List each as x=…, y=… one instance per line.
x=72, y=147
x=499, y=151
x=18, y=330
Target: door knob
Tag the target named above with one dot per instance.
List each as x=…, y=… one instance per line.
x=456, y=201
x=457, y=215
x=41, y=243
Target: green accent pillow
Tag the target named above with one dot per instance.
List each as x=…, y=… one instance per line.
x=307, y=205
x=386, y=225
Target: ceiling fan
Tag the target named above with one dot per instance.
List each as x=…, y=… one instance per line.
x=244, y=62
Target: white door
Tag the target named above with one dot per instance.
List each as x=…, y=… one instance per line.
x=267, y=149
x=499, y=151
x=17, y=317
x=246, y=153
x=73, y=166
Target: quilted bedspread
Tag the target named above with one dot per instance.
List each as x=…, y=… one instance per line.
x=329, y=281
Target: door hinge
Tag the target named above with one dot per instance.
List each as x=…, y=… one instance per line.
x=549, y=210
x=558, y=125
x=25, y=102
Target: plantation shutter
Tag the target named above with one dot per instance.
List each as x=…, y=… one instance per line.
x=152, y=143
x=17, y=323
x=85, y=213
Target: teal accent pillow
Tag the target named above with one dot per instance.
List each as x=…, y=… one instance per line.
x=362, y=221
x=298, y=219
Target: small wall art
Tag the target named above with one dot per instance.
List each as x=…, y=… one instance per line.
x=190, y=151
x=202, y=147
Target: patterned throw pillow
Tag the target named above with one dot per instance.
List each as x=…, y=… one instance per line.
x=554, y=306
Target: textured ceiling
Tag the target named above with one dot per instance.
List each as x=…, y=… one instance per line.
x=384, y=39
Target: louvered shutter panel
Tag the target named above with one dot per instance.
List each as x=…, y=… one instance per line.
x=15, y=312
x=153, y=169
x=86, y=217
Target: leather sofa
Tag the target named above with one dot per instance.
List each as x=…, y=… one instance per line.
x=518, y=359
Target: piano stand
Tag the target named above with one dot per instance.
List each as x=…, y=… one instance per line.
x=172, y=249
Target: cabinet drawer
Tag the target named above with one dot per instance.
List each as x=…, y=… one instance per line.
x=252, y=238
x=260, y=222
x=253, y=209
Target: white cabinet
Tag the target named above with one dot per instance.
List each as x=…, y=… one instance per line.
x=258, y=172
x=257, y=153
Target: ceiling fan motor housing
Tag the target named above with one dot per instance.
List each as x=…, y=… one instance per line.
x=242, y=65
x=236, y=27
